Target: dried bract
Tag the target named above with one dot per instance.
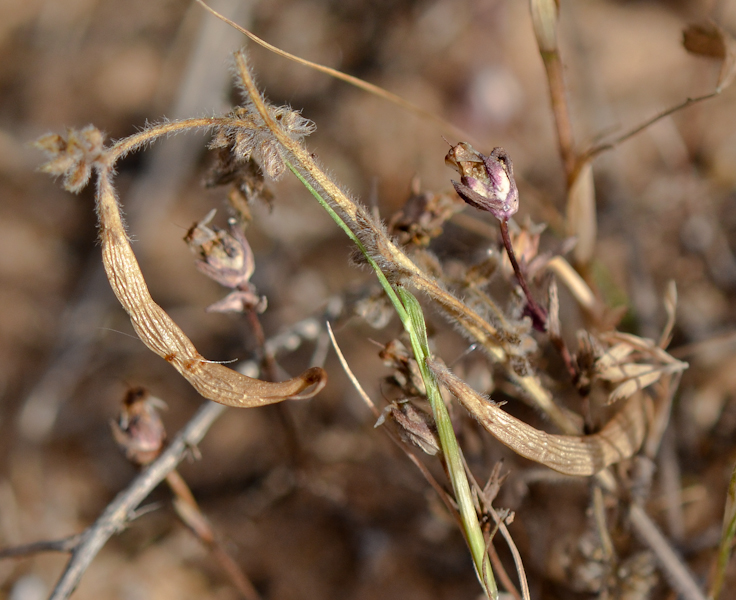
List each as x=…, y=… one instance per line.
x=486, y=182
x=245, y=178
x=416, y=427
x=406, y=375
x=139, y=431
x=633, y=363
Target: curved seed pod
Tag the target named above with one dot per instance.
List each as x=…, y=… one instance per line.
x=583, y=455
x=163, y=336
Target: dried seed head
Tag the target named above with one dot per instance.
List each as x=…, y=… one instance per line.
x=249, y=136
x=245, y=178
x=486, y=182
x=73, y=157
x=139, y=431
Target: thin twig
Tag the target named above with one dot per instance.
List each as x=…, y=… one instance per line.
x=355, y=81
x=678, y=575
x=596, y=150
x=117, y=514
x=67, y=544
x=188, y=510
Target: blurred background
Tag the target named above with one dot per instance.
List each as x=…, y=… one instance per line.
x=324, y=506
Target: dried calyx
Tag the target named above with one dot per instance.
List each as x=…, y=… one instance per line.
x=139, y=430
x=227, y=258
x=486, y=182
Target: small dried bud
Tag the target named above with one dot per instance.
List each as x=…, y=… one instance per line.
x=139, y=431
x=486, y=182
x=228, y=259
x=544, y=21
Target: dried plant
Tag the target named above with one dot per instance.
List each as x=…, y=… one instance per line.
x=624, y=383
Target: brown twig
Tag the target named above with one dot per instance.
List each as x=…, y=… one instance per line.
x=678, y=575
x=599, y=149
x=188, y=510
x=67, y=544
x=118, y=513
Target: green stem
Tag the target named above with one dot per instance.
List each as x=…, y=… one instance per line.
x=410, y=313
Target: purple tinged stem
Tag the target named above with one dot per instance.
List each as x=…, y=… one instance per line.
x=538, y=314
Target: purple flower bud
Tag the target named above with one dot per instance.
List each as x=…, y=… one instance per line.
x=486, y=182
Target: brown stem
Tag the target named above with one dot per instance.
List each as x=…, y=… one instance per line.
x=118, y=512
x=67, y=544
x=553, y=65
x=538, y=314
x=188, y=510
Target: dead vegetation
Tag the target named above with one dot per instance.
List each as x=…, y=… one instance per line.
x=584, y=324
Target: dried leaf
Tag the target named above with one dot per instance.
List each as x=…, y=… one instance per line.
x=616, y=373
x=645, y=364
x=581, y=214
x=636, y=384
x=670, y=306
x=620, y=439
x=415, y=426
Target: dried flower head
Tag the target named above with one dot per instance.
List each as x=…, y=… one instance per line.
x=139, y=431
x=486, y=182
x=228, y=259
x=248, y=136
x=73, y=157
